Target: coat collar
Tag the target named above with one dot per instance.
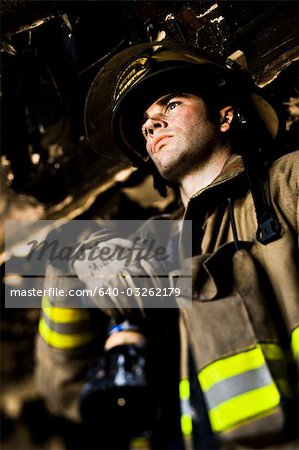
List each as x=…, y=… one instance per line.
x=232, y=168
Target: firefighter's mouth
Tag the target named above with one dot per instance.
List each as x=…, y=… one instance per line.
x=159, y=141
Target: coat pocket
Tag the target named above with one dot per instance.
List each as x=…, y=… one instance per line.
x=230, y=309
x=228, y=326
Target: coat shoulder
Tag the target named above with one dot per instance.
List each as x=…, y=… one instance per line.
x=285, y=171
x=287, y=161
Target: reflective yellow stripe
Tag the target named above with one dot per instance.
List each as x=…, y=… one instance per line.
x=63, y=341
x=184, y=389
x=244, y=406
x=295, y=350
x=284, y=388
x=230, y=366
x=238, y=388
x=186, y=425
x=63, y=315
x=139, y=443
x=295, y=344
x=272, y=351
x=186, y=418
x=277, y=361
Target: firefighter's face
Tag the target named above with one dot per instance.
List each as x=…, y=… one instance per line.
x=178, y=133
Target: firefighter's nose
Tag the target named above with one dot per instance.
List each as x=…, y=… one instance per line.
x=153, y=124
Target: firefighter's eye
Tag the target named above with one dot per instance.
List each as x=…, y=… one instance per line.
x=172, y=104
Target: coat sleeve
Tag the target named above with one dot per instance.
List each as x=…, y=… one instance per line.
x=68, y=342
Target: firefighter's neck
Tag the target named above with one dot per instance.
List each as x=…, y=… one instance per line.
x=203, y=174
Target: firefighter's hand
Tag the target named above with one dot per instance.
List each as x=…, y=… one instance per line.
x=121, y=275
x=125, y=338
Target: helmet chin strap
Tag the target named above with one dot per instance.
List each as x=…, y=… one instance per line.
x=269, y=228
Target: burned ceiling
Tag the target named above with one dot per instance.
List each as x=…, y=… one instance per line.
x=50, y=52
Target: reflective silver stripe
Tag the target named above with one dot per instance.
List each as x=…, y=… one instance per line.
x=186, y=408
x=67, y=328
x=237, y=385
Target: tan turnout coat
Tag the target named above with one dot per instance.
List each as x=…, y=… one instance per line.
x=243, y=326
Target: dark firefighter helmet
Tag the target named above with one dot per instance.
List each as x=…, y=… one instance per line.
x=137, y=76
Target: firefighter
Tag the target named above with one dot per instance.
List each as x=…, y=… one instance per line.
x=203, y=127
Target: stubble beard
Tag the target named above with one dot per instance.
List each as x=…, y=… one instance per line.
x=188, y=156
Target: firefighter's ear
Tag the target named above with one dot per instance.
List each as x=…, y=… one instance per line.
x=226, y=116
